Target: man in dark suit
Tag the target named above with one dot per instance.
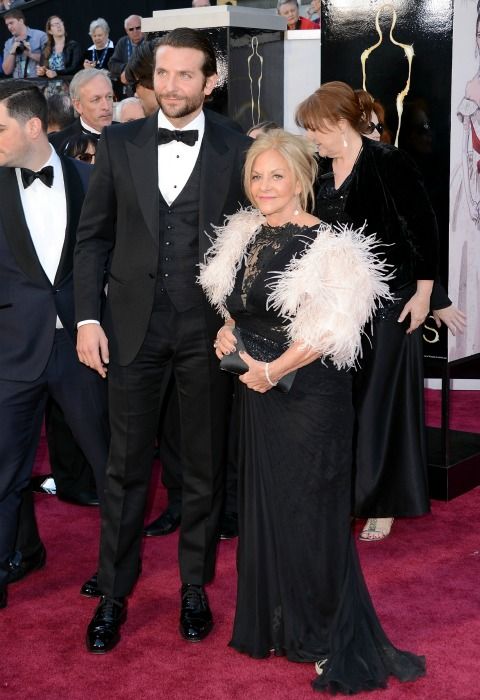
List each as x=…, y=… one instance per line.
x=158, y=187
x=91, y=93
x=40, y=200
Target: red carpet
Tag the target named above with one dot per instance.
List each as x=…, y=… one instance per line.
x=424, y=580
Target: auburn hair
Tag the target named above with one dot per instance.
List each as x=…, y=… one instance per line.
x=327, y=105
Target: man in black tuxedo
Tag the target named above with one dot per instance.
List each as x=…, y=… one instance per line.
x=158, y=187
x=91, y=93
x=41, y=196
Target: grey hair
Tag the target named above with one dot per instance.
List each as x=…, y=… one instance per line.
x=281, y=3
x=83, y=77
x=120, y=105
x=130, y=17
x=99, y=22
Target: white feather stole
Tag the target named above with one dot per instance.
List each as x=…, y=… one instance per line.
x=325, y=296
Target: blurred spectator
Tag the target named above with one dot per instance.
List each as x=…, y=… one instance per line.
x=100, y=52
x=92, y=97
x=261, y=128
x=60, y=58
x=139, y=76
x=11, y=4
x=200, y=3
x=60, y=112
x=314, y=11
x=375, y=116
x=81, y=147
x=23, y=50
x=129, y=110
x=123, y=53
x=289, y=10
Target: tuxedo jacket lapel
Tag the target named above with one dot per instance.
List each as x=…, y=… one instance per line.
x=16, y=229
x=142, y=154
x=216, y=169
x=74, y=194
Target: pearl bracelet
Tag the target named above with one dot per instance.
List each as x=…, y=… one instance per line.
x=267, y=375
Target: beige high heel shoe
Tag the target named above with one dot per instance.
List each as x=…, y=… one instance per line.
x=376, y=529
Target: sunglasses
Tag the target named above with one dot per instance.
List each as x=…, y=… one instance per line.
x=134, y=29
x=372, y=127
x=86, y=157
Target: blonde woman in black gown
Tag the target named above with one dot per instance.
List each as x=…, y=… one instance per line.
x=299, y=294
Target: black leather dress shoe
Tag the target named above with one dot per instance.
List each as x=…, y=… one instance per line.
x=20, y=566
x=103, y=632
x=196, y=617
x=90, y=588
x=3, y=598
x=167, y=523
x=80, y=498
x=228, y=526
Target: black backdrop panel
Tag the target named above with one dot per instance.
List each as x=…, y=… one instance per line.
x=347, y=31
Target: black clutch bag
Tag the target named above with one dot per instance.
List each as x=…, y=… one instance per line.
x=261, y=349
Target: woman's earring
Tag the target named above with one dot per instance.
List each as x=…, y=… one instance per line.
x=345, y=143
x=296, y=211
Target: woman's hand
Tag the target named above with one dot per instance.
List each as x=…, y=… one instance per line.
x=51, y=73
x=418, y=306
x=452, y=317
x=225, y=342
x=41, y=70
x=89, y=64
x=255, y=378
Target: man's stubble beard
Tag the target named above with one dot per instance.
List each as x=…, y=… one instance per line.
x=189, y=106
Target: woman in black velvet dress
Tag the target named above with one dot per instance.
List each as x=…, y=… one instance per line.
x=299, y=294
x=366, y=182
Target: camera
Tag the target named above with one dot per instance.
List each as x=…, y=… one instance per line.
x=20, y=48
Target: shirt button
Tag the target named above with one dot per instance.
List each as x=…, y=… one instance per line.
x=167, y=259
x=169, y=227
x=169, y=211
x=167, y=242
x=166, y=274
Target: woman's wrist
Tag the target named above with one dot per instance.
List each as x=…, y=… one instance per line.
x=270, y=380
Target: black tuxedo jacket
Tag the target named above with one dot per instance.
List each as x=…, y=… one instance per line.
x=29, y=303
x=119, y=227
x=59, y=139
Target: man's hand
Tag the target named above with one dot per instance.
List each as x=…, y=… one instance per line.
x=92, y=347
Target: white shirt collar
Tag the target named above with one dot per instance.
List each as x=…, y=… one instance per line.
x=108, y=46
x=87, y=127
x=53, y=160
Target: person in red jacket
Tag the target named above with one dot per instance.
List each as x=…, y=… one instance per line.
x=289, y=10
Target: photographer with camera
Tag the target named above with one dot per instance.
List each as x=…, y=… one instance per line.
x=23, y=51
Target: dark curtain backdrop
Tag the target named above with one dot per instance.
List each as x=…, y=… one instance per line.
x=77, y=14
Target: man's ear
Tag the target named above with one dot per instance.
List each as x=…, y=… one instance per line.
x=34, y=127
x=210, y=84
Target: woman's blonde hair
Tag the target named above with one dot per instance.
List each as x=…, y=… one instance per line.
x=299, y=156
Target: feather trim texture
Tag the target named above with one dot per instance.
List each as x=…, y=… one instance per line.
x=325, y=296
x=328, y=294
x=224, y=257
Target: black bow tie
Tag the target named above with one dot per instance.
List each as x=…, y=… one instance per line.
x=188, y=137
x=45, y=175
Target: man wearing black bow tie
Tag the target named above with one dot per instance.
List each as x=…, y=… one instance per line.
x=41, y=196
x=91, y=93
x=158, y=187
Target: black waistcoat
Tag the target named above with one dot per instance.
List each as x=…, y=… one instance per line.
x=178, y=238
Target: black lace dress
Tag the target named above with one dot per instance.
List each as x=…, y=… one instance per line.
x=301, y=592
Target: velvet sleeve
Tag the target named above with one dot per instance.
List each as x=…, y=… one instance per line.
x=73, y=59
x=411, y=205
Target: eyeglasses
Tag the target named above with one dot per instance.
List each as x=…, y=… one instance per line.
x=372, y=127
x=134, y=29
x=86, y=157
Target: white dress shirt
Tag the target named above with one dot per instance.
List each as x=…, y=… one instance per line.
x=176, y=160
x=45, y=210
